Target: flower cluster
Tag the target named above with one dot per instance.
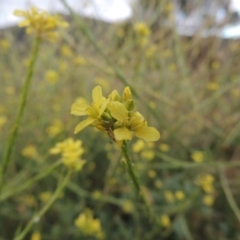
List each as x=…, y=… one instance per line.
x=71, y=152
x=41, y=23
x=115, y=116
x=206, y=181
x=88, y=225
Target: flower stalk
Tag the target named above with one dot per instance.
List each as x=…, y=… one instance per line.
x=46, y=207
x=23, y=99
x=135, y=179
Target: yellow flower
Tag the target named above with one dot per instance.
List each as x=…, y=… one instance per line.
x=55, y=128
x=41, y=23
x=66, y=51
x=130, y=124
x=88, y=225
x=148, y=154
x=208, y=200
x=128, y=206
x=179, y=195
x=142, y=29
x=79, y=60
x=165, y=220
x=164, y=147
x=198, y=156
x=51, y=76
x=168, y=195
x=36, y=236
x=71, y=152
x=93, y=111
x=5, y=44
x=138, y=146
x=152, y=173
x=212, y=86
x=30, y=151
x=45, y=196
x=158, y=184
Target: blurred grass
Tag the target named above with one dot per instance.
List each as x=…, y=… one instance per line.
x=188, y=88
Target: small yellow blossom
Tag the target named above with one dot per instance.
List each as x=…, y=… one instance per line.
x=10, y=90
x=138, y=146
x=45, y=196
x=164, y=147
x=51, y=76
x=168, y=195
x=158, y=184
x=88, y=225
x=79, y=61
x=206, y=182
x=5, y=44
x=71, y=152
x=66, y=50
x=97, y=194
x=215, y=65
x=148, y=154
x=142, y=29
x=30, y=151
x=128, y=206
x=36, y=236
x=41, y=23
x=165, y=220
x=208, y=200
x=213, y=86
x=151, y=51
x=103, y=83
x=55, y=128
x=198, y=156
x=180, y=195
x=152, y=173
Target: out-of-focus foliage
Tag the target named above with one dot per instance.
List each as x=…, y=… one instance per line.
x=187, y=88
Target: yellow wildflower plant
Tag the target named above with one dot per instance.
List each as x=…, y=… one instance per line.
x=114, y=115
x=88, y=225
x=41, y=23
x=71, y=153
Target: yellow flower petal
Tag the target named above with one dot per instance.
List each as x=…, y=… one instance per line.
x=103, y=107
x=122, y=134
x=79, y=109
x=84, y=124
x=118, y=110
x=97, y=94
x=147, y=133
x=127, y=94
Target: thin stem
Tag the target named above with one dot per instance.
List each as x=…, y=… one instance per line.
x=46, y=207
x=23, y=99
x=232, y=203
x=134, y=177
x=30, y=182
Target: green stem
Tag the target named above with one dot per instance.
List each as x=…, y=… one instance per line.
x=14, y=131
x=134, y=178
x=46, y=207
x=29, y=183
x=231, y=201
